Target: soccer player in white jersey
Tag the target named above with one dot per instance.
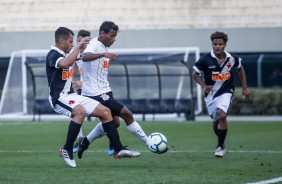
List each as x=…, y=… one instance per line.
x=96, y=85
x=64, y=101
x=218, y=84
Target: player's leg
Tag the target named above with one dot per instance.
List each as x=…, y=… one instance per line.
x=132, y=125
x=77, y=112
x=220, y=115
x=98, y=130
x=109, y=127
x=79, y=136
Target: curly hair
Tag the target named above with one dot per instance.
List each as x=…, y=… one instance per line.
x=219, y=35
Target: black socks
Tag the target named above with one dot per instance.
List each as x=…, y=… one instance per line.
x=72, y=134
x=110, y=129
x=221, y=134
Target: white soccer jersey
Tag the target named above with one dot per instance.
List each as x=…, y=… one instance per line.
x=95, y=76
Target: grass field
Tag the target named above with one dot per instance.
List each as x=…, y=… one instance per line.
x=29, y=154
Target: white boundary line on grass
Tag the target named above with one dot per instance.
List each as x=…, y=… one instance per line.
x=274, y=180
x=144, y=151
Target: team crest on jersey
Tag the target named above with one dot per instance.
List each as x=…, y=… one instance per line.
x=71, y=102
x=105, y=97
x=228, y=66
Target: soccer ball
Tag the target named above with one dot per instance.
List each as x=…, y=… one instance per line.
x=156, y=142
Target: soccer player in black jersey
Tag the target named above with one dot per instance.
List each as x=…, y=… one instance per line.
x=218, y=84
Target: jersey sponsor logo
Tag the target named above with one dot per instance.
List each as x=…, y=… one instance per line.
x=106, y=64
x=212, y=66
x=66, y=74
x=216, y=76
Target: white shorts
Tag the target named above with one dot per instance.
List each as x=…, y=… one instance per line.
x=222, y=102
x=66, y=103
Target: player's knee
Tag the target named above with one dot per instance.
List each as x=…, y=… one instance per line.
x=126, y=115
x=79, y=112
x=222, y=115
x=106, y=113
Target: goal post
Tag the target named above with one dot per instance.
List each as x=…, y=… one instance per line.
x=17, y=92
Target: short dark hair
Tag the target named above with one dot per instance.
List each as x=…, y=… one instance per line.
x=106, y=26
x=62, y=32
x=83, y=33
x=219, y=35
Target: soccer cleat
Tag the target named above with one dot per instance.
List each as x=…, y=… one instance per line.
x=126, y=154
x=68, y=157
x=111, y=152
x=219, y=152
x=75, y=148
x=83, y=144
x=164, y=151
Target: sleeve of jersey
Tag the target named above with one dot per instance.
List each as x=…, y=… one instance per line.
x=91, y=47
x=198, y=66
x=54, y=58
x=238, y=62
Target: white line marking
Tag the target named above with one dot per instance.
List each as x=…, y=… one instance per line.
x=14, y=123
x=188, y=151
x=275, y=180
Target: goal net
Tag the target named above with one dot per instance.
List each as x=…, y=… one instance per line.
x=26, y=77
x=18, y=93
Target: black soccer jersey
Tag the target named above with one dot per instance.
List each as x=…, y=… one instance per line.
x=220, y=76
x=59, y=79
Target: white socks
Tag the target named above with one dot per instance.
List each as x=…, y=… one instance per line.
x=136, y=129
x=97, y=132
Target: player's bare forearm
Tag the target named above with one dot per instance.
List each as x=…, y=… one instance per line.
x=198, y=79
x=245, y=90
x=71, y=58
x=243, y=77
x=91, y=57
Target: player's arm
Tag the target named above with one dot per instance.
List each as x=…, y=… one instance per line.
x=75, y=68
x=77, y=84
x=242, y=74
x=200, y=81
x=93, y=56
x=66, y=62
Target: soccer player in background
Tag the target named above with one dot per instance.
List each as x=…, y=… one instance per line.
x=218, y=84
x=77, y=69
x=95, y=85
x=65, y=101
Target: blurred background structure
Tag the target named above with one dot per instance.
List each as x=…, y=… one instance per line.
x=254, y=28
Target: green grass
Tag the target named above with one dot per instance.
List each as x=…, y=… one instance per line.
x=29, y=154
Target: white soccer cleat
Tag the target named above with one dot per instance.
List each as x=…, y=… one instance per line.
x=126, y=154
x=219, y=152
x=68, y=158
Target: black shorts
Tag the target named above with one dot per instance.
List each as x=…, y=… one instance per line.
x=109, y=101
